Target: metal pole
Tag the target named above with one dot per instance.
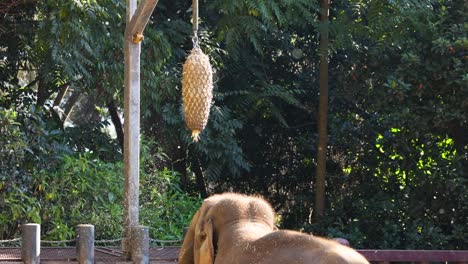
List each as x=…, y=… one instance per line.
x=131, y=129
x=31, y=243
x=85, y=244
x=140, y=244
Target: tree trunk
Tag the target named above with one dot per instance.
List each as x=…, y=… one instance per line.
x=114, y=114
x=323, y=115
x=179, y=165
x=199, y=179
x=42, y=93
x=458, y=133
x=70, y=104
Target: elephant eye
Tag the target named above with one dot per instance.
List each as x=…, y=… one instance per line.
x=203, y=236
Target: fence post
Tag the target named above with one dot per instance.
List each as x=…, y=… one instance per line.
x=31, y=243
x=85, y=244
x=139, y=244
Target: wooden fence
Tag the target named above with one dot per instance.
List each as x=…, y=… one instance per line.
x=85, y=250
x=415, y=256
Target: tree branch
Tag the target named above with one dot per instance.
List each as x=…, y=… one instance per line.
x=62, y=90
x=71, y=103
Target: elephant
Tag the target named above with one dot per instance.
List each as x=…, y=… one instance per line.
x=232, y=228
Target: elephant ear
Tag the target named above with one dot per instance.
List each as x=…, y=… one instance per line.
x=206, y=247
x=186, y=255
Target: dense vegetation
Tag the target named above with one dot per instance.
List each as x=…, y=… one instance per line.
x=397, y=155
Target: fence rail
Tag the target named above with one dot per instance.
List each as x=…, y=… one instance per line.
x=417, y=256
x=31, y=244
x=170, y=254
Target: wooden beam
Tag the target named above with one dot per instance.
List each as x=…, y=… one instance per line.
x=142, y=15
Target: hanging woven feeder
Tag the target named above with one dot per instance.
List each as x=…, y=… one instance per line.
x=197, y=84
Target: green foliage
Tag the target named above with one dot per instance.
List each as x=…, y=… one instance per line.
x=76, y=45
x=40, y=183
x=84, y=189
x=12, y=147
x=25, y=144
x=66, y=41
x=93, y=138
x=166, y=209
x=396, y=126
x=405, y=208
x=78, y=190
x=34, y=158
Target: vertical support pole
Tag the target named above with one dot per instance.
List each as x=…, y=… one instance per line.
x=131, y=130
x=85, y=244
x=320, y=175
x=140, y=244
x=31, y=243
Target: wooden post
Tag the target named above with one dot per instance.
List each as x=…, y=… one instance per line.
x=131, y=129
x=136, y=20
x=31, y=243
x=323, y=115
x=85, y=244
x=140, y=244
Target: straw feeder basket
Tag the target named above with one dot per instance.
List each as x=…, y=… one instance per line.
x=197, y=84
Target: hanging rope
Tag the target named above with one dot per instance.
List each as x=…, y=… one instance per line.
x=195, y=23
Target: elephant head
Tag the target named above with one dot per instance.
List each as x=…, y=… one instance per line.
x=220, y=216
